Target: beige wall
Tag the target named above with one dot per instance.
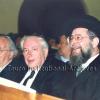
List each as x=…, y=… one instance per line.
x=9, y=13
x=93, y=7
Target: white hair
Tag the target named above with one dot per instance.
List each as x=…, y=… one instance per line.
x=11, y=45
x=43, y=42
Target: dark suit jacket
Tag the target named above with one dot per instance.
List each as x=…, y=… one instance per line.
x=50, y=75
x=62, y=80
x=84, y=87
x=42, y=82
x=15, y=70
x=87, y=85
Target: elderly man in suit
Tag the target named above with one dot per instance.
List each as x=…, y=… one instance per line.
x=10, y=68
x=35, y=51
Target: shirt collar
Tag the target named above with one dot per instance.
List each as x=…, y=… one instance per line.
x=64, y=59
x=85, y=65
x=1, y=69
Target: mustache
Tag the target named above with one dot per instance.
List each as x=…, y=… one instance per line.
x=75, y=47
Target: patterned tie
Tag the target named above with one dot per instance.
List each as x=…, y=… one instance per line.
x=79, y=70
x=29, y=77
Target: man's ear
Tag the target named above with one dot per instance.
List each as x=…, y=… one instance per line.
x=45, y=53
x=68, y=39
x=11, y=55
x=95, y=42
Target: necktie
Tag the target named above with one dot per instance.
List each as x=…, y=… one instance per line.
x=29, y=77
x=79, y=70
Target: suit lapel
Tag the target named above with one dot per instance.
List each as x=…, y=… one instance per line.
x=41, y=77
x=92, y=69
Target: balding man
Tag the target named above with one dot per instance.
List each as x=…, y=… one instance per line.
x=10, y=68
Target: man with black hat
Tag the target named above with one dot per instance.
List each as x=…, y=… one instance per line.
x=84, y=42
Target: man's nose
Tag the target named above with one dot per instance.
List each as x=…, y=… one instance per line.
x=29, y=52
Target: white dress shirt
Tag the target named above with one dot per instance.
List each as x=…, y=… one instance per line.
x=1, y=68
x=30, y=81
x=63, y=59
x=85, y=65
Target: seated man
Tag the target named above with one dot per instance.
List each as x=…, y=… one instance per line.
x=85, y=56
x=9, y=67
x=43, y=75
x=63, y=53
x=35, y=51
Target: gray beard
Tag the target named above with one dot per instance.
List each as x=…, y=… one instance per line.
x=78, y=60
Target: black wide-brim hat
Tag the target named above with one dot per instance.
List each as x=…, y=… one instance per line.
x=85, y=21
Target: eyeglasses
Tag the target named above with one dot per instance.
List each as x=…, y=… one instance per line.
x=78, y=37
